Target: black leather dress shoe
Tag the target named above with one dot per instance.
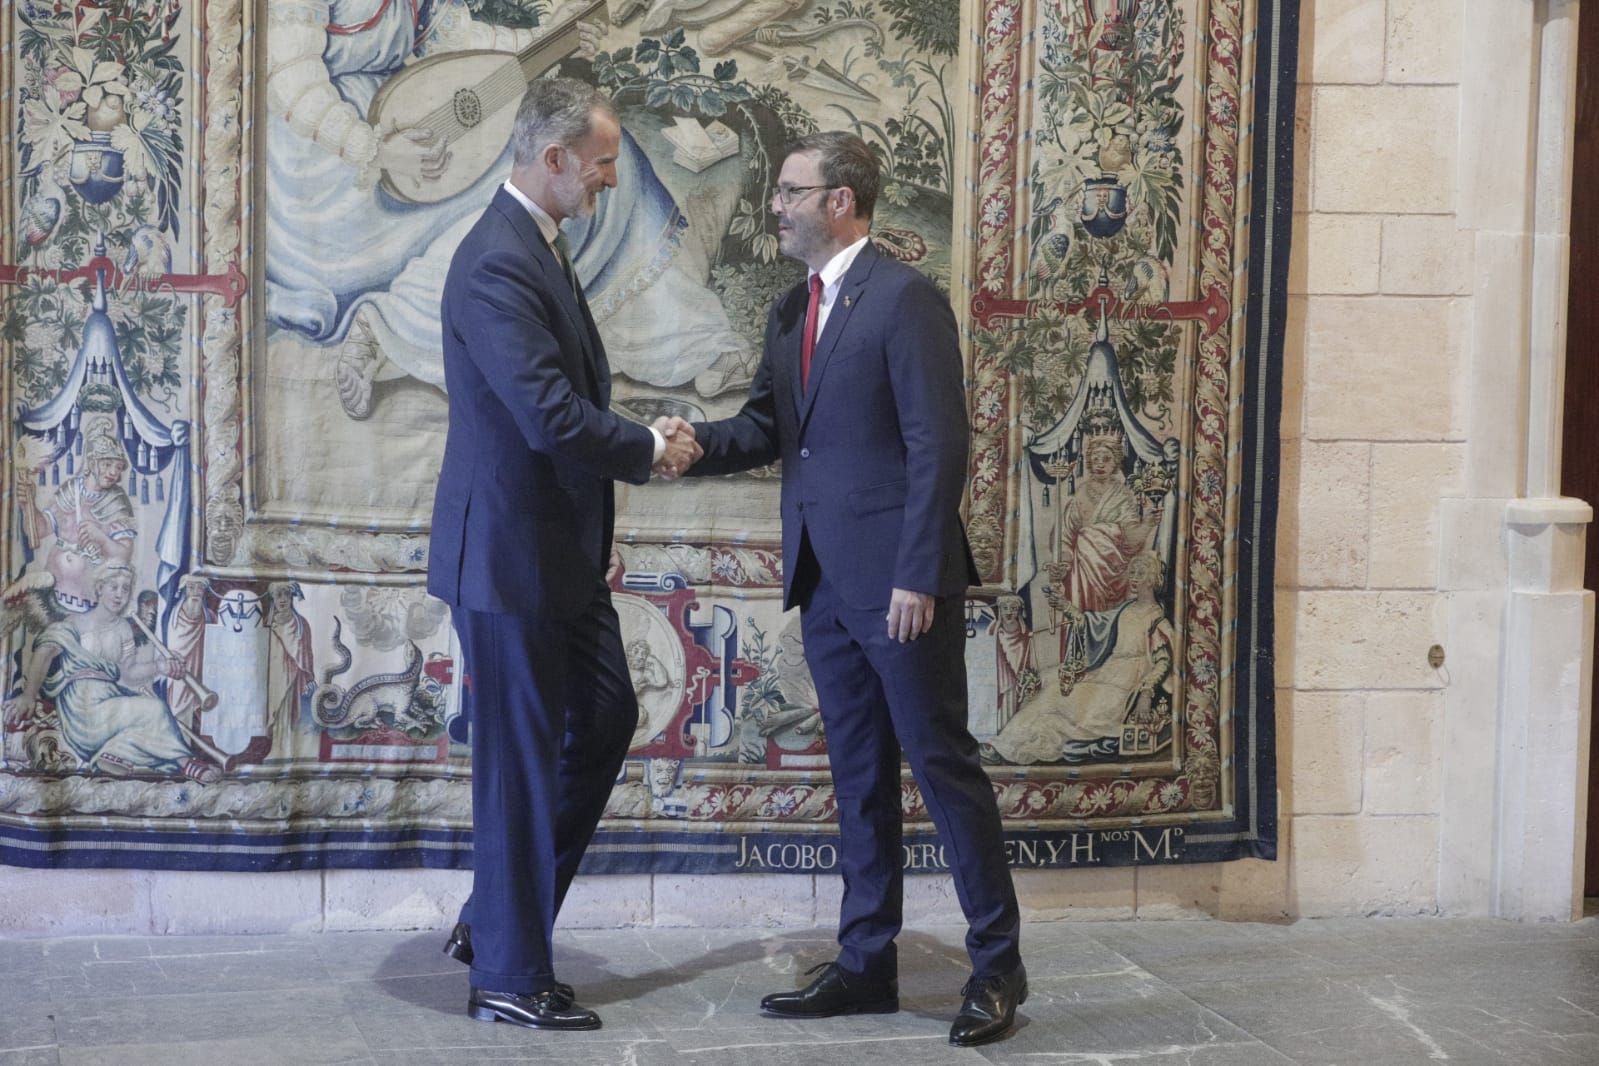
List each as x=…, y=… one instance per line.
x=541, y=1010
x=459, y=948
x=989, y=1009
x=834, y=993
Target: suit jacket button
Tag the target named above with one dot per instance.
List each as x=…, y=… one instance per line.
x=805, y=453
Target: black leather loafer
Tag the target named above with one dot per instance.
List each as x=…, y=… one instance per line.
x=459, y=948
x=541, y=1010
x=834, y=993
x=989, y=1009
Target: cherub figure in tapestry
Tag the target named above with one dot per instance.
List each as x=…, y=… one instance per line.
x=657, y=690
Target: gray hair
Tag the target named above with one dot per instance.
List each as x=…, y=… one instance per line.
x=845, y=162
x=555, y=111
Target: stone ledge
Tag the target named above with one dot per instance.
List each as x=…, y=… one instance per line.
x=1548, y=511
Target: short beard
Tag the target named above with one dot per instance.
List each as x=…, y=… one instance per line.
x=574, y=199
x=805, y=236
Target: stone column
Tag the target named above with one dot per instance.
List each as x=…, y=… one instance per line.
x=1545, y=709
x=1517, y=736
x=1544, y=713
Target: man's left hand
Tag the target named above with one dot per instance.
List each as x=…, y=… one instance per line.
x=910, y=614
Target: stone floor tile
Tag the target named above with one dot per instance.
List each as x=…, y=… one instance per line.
x=546, y=1049
x=1389, y=1019
x=1221, y=1053
x=27, y=1025
x=1133, y=1014
x=275, y=1050
x=315, y=1014
x=48, y=1055
x=932, y=1050
x=365, y=957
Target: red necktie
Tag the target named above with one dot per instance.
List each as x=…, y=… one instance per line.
x=808, y=345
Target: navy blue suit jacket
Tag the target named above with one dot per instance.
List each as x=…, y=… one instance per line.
x=874, y=452
x=524, y=513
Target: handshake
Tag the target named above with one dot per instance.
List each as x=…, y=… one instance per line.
x=681, y=452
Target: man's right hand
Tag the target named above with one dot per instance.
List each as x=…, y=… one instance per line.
x=681, y=452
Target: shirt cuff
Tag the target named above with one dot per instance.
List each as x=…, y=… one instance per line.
x=660, y=444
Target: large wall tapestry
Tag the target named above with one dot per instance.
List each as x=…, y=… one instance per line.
x=226, y=230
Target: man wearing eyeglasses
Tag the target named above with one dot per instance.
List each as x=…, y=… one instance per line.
x=859, y=393
x=522, y=527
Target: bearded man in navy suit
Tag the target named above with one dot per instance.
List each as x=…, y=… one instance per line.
x=522, y=526
x=859, y=393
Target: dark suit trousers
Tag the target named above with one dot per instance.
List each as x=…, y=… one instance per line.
x=552, y=712
x=880, y=697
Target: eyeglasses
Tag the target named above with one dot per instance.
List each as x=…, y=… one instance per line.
x=787, y=194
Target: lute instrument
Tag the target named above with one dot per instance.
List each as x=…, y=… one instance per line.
x=468, y=100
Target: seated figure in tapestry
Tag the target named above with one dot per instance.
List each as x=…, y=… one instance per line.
x=353, y=268
x=1101, y=528
x=100, y=680
x=1121, y=681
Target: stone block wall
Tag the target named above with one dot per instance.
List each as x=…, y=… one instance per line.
x=1375, y=429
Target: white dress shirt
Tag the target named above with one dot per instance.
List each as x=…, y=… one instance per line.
x=832, y=273
x=546, y=224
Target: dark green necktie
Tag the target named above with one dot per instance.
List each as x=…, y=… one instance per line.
x=564, y=254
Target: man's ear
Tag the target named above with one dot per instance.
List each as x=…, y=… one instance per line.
x=554, y=157
x=846, y=202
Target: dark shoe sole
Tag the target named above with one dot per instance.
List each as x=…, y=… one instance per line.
x=989, y=1039
x=489, y=1014
x=882, y=1006
x=459, y=952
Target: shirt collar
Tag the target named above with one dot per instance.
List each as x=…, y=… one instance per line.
x=547, y=225
x=835, y=268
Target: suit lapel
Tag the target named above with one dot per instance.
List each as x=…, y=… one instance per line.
x=555, y=281
x=850, y=293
